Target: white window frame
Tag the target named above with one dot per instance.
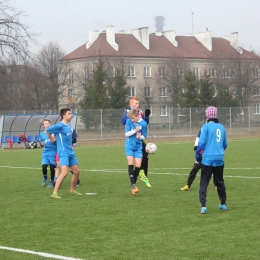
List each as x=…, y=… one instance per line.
x=111, y=71
x=131, y=71
x=132, y=91
x=227, y=73
x=212, y=72
x=256, y=73
x=163, y=91
x=256, y=91
x=163, y=110
x=162, y=72
x=70, y=76
x=147, y=72
x=196, y=72
x=70, y=93
x=257, y=109
x=147, y=91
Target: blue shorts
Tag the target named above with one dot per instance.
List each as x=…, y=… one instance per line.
x=136, y=153
x=68, y=160
x=49, y=159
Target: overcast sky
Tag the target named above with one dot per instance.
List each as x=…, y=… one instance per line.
x=68, y=22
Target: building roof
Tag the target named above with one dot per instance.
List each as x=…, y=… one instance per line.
x=160, y=47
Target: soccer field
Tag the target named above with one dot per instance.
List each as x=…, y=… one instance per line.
x=161, y=222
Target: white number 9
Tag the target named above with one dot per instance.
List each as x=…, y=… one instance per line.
x=218, y=134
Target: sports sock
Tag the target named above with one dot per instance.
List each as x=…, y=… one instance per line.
x=131, y=174
x=136, y=173
x=45, y=177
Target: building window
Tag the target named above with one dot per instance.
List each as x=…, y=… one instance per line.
x=163, y=92
x=131, y=91
x=131, y=72
x=256, y=73
x=111, y=72
x=196, y=72
x=70, y=77
x=70, y=93
x=162, y=72
x=163, y=110
x=86, y=76
x=257, y=109
x=147, y=71
x=256, y=91
x=227, y=73
x=147, y=91
x=213, y=73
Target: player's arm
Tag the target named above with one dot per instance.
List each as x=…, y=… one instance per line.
x=143, y=132
x=201, y=143
x=128, y=130
x=124, y=117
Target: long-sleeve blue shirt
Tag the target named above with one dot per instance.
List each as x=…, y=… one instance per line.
x=212, y=142
x=141, y=114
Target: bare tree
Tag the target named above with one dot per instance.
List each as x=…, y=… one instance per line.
x=14, y=35
x=170, y=75
x=48, y=63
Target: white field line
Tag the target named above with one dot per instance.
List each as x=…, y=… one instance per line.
x=39, y=253
x=150, y=172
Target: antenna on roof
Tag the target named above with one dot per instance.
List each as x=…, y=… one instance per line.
x=192, y=23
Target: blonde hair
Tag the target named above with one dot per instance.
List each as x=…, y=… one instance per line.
x=133, y=112
x=45, y=120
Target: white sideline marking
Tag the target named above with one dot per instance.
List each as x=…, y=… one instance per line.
x=157, y=173
x=39, y=253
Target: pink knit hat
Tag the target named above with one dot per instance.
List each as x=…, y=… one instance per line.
x=211, y=112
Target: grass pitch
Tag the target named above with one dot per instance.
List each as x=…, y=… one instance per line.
x=161, y=222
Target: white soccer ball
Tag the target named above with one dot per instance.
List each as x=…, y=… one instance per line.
x=151, y=148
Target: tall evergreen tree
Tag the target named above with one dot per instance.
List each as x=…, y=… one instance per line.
x=95, y=98
x=206, y=90
x=119, y=92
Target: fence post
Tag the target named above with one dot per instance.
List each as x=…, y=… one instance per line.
x=230, y=120
x=169, y=121
x=249, y=125
x=190, y=120
x=101, y=124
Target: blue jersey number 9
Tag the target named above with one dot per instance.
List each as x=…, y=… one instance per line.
x=218, y=134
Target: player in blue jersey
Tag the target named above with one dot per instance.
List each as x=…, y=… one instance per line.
x=48, y=154
x=213, y=142
x=134, y=104
x=135, y=132
x=63, y=132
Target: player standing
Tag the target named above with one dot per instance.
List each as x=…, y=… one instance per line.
x=48, y=154
x=135, y=132
x=134, y=104
x=213, y=142
x=63, y=132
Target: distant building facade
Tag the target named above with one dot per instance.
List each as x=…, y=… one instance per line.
x=148, y=57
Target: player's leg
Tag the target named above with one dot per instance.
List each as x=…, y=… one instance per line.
x=206, y=172
x=219, y=181
x=57, y=169
x=44, y=170
x=74, y=179
x=144, y=167
x=52, y=170
x=192, y=176
x=64, y=162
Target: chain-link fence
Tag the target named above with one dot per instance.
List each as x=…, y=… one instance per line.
x=101, y=124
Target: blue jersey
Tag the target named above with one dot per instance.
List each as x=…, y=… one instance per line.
x=63, y=134
x=131, y=141
x=141, y=114
x=49, y=147
x=213, y=142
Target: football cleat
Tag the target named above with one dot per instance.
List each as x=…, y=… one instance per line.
x=203, y=210
x=215, y=187
x=223, y=207
x=50, y=185
x=185, y=188
x=144, y=178
x=134, y=190
x=44, y=182
x=75, y=193
x=55, y=196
